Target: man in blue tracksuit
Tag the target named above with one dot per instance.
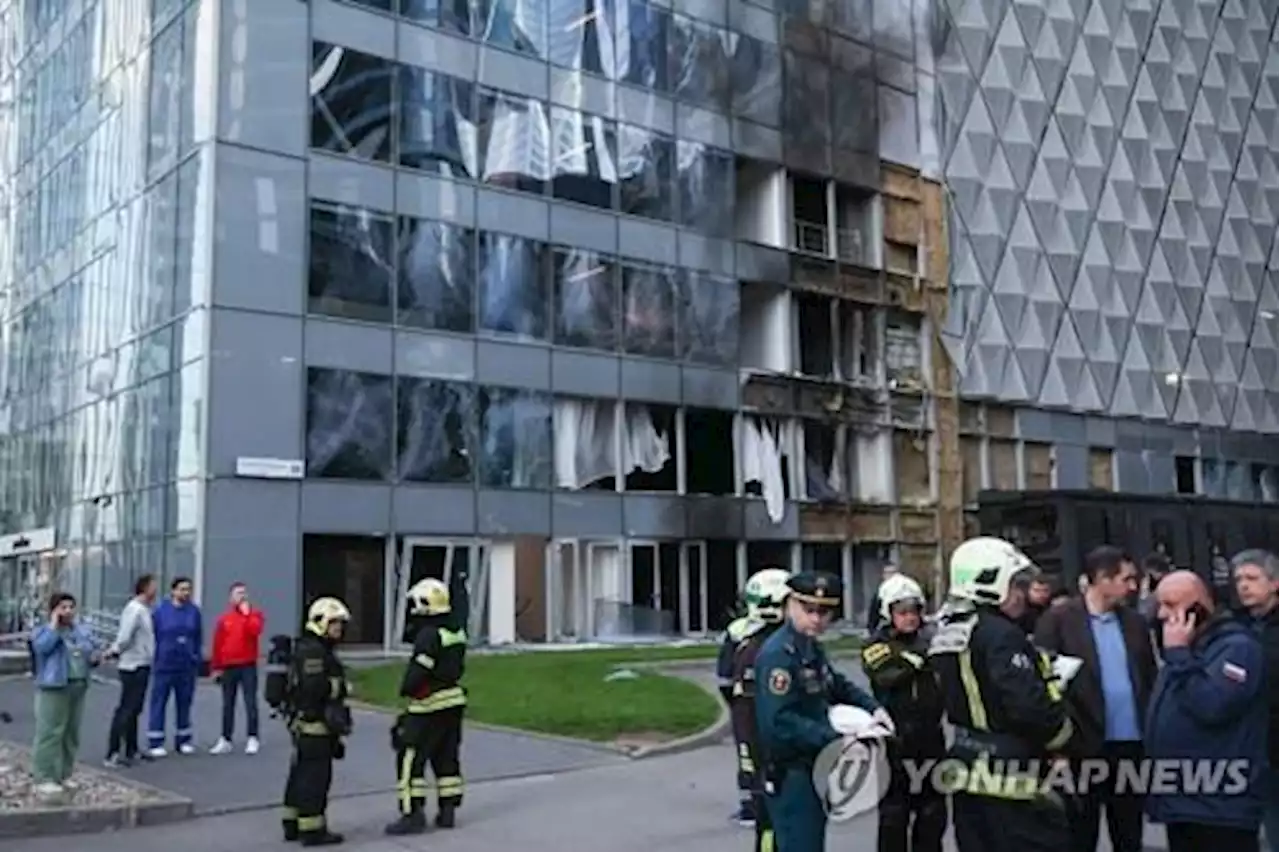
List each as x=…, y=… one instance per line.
x=1208, y=705
x=179, y=653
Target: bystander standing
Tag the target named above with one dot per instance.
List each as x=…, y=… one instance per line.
x=65, y=652
x=179, y=657
x=1207, y=707
x=1255, y=574
x=236, y=641
x=133, y=649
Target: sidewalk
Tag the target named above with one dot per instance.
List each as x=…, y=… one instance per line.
x=238, y=782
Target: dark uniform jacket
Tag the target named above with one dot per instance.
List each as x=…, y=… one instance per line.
x=998, y=690
x=795, y=688
x=318, y=688
x=903, y=681
x=1267, y=629
x=743, y=691
x=432, y=678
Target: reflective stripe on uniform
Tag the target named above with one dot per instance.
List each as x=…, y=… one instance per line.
x=977, y=779
x=1061, y=738
x=442, y=700
x=972, y=693
x=745, y=763
x=289, y=814
x=313, y=729
x=311, y=823
x=767, y=843
x=424, y=661
x=336, y=685
x=449, y=638
x=403, y=788
x=449, y=786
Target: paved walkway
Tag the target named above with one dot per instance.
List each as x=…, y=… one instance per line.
x=238, y=781
x=677, y=803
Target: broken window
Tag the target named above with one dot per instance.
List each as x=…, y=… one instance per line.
x=814, y=337
x=901, y=258
x=513, y=286
x=708, y=451
x=709, y=318
x=911, y=466
x=1002, y=457
x=589, y=437
x=825, y=471
x=351, y=263
x=835, y=338
x=649, y=429
x=515, y=438
x=1100, y=475
x=649, y=310
x=436, y=285
x=902, y=349
x=435, y=425
x=348, y=424
x=1038, y=463
x=764, y=463
x=809, y=216
x=854, y=222
x=586, y=294
x=1184, y=470
x=870, y=456
x=859, y=352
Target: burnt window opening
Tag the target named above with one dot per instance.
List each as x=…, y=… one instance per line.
x=854, y=225
x=814, y=336
x=810, y=217
x=662, y=419
x=708, y=451
x=857, y=335
x=768, y=554
x=836, y=339
x=1184, y=473
x=722, y=583
x=765, y=456
x=902, y=349
x=825, y=471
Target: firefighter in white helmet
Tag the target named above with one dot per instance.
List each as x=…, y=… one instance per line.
x=1004, y=700
x=319, y=720
x=766, y=594
x=430, y=728
x=896, y=661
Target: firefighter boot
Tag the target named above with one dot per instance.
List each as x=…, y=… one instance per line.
x=290, y=827
x=323, y=837
x=412, y=823
x=446, y=818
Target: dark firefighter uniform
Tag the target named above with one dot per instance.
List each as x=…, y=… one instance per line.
x=430, y=728
x=897, y=666
x=743, y=715
x=734, y=634
x=320, y=719
x=796, y=687
x=1002, y=697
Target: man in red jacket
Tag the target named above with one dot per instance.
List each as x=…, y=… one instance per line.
x=235, y=665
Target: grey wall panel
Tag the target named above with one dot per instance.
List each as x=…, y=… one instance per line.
x=757, y=526
x=437, y=51
x=433, y=510
x=513, y=365
x=580, y=227
x=653, y=515
x=1100, y=431
x=763, y=263
x=646, y=240
x=435, y=198
x=349, y=26
x=260, y=241
x=650, y=381
x=584, y=374
x=715, y=256
x=509, y=213
x=699, y=125
x=1131, y=472
x=586, y=514
x=348, y=346
x=1161, y=472
x=435, y=356
x=256, y=388
x=713, y=517
x=645, y=109
x=360, y=508
x=251, y=536
x=510, y=513
x=582, y=92
x=261, y=80
x=708, y=388
x=350, y=182
x=1071, y=465
x=501, y=69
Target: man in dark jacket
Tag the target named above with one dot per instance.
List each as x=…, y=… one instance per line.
x=1207, y=706
x=1108, y=696
x=1255, y=574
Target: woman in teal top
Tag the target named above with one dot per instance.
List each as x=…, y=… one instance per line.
x=65, y=652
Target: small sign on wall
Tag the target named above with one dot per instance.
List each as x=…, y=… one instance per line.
x=254, y=468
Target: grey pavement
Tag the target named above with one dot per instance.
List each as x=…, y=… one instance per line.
x=238, y=781
x=677, y=803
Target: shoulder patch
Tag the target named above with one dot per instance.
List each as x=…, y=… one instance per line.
x=779, y=681
x=1234, y=673
x=875, y=653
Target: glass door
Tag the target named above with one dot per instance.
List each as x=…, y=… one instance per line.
x=453, y=562
x=693, y=587
x=565, y=591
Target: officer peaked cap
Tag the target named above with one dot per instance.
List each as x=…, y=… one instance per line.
x=816, y=587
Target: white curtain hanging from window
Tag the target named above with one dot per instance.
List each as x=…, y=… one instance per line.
x=762, y=462
x=586, y=449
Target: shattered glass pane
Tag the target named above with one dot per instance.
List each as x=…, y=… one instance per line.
x=649, y=310
x=435, y=430
x=515, y=438
x=351, y=263
x=645, y=164
x=709, y=317
x=699, y=63
x=705, y=176
x=348, y=424
x=350, y=102
x=585, y=157
x=436, y=276
x=437, y=123
x=513, y=286
x=586, y=300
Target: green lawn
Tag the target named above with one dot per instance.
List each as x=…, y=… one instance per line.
x=566, y=693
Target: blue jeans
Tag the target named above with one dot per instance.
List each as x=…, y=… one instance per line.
x=1269, y=810
x=245, y=680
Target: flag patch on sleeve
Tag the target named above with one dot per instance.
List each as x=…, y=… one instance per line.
x=1235, y=673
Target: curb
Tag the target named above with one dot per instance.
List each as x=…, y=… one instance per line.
x=710, y=735
x=56, y=822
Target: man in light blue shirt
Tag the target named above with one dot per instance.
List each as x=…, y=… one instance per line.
x=1109, y=695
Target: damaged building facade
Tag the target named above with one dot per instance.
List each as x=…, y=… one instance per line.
x=604, y=305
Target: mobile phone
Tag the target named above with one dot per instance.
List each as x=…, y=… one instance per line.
x=1199, y=612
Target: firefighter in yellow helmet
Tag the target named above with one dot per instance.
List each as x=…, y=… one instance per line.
x=319, y=719
x=430, y=728
x=1005, y=702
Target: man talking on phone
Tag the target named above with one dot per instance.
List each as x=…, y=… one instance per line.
x=1206, y=707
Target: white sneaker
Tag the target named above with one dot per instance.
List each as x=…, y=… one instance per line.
x=158, y=751
x=48, y=790
x=252, y=746
x=222, y=746
x=186, y=748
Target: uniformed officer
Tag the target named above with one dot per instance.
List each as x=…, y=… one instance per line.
x=896, y=662
x=1001, y=695
x=319, y=721
x=430, y=728
x=766, y=594
x=739, y=628
x=796, y=687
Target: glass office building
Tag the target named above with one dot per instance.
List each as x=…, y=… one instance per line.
x=607, y=304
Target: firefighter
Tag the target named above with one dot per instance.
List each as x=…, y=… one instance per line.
x=895, y=660
x=1001, y=695
x=766, y=594
x=430, y=728
x=796, y=687
x=739, y=628
x=319, y=719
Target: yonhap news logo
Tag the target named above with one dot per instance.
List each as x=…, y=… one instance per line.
x=851, y=777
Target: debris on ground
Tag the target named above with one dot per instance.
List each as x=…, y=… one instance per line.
x=620, y=674
x=88, y=788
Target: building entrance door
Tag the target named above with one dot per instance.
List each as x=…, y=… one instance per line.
x=461, y=564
